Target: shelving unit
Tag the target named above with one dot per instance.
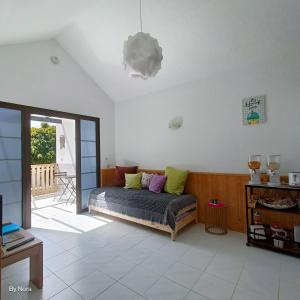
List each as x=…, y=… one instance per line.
x=292, y=215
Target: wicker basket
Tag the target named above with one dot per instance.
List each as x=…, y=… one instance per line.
x=216, y=218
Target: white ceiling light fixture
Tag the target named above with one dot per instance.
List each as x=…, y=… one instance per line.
x=142, y=54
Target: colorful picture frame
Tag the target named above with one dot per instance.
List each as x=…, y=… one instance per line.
x=254, y=110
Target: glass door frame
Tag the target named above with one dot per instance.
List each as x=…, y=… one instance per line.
x=26, y=112
x=78, y=158
x=21, y=158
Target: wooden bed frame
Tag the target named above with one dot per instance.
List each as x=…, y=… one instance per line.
x=184, y=221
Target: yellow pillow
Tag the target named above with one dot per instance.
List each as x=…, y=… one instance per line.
x=133, y=181
x=175, y=180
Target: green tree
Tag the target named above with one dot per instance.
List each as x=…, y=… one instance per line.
x=43, y=144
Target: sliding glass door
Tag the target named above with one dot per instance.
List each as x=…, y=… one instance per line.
x=15, y=159
x=11, y=164
x=89, y=159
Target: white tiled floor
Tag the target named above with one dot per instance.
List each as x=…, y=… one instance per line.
x=104, y=259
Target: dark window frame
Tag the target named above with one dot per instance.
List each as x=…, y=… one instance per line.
x=26, y=112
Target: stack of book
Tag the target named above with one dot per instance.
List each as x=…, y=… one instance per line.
x=10, y=233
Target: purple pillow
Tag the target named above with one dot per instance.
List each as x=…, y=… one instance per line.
x=157, y=183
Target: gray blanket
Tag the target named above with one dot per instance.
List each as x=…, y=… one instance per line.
x=160, y=208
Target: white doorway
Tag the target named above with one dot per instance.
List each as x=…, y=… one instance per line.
x=53, y=172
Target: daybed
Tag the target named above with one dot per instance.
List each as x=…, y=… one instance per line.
x=162, y=211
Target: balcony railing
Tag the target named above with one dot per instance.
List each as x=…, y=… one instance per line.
x=43, y=180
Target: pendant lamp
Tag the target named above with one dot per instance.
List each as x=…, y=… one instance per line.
x=142, y=54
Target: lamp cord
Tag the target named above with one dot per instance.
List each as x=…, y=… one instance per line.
x=141, y=22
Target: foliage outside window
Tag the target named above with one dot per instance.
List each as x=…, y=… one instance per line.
x=43, y=144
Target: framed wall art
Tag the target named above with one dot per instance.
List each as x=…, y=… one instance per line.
x=254, y=110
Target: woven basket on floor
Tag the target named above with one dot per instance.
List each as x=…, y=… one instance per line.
x=215, y=216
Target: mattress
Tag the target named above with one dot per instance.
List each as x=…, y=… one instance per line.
x=142, y=204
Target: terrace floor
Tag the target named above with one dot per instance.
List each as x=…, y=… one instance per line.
x=49, y=212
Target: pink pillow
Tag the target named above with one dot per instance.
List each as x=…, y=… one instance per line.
x=157, y=183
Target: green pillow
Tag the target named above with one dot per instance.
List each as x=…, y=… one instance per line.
x=175, y=180
x=133, y=181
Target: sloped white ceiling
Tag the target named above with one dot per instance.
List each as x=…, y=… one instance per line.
x=24, y=21
x=199, y=37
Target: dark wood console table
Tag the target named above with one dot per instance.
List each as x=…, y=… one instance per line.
x=287, y=218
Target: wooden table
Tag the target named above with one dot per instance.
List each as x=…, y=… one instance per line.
x=32, y=250
x=68, y=183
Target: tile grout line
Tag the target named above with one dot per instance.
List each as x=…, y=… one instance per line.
x=279, y=281
x=237, y=282
x=104, y=290
x=125, y=286
x=76, y=292
x=49, y=298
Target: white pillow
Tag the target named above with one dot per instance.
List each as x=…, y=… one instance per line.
x=146, y=178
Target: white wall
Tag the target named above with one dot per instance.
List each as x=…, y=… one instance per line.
x=212, y=137
x=28, y=77
x=66, y=156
